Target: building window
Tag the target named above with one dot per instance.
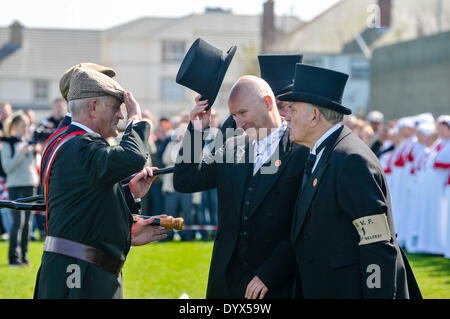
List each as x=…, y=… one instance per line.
x=360, y=69
x=173, y=51
x=40, y=90
x=170, y=90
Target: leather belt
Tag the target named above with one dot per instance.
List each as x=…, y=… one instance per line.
x=83, y=252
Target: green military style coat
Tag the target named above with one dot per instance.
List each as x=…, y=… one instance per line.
x=87, y=205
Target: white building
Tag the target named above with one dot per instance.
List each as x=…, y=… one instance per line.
x=344, y=36
x=29, y=76
x=146, y=53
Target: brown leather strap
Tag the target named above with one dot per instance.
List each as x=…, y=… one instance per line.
x=84, y=252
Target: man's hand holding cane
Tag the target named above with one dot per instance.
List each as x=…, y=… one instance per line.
x=143, y=233
x=141, y=182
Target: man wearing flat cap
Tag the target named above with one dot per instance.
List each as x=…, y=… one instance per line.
x=89, y=225
x=343, y=234
x=64, y=83
x=133, y=203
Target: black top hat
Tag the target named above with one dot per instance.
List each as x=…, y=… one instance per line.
x=279, y=70
x=318, y=86
x=203, y=69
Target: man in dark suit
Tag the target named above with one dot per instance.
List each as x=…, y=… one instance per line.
x=257, y=179
x=89, y=225
x=278, y=71
x=343, y=235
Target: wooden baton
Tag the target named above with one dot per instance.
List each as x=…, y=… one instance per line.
x=166, y=222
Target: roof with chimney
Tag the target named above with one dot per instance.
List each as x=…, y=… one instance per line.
x=348, y=27
x=203, y=23
x=43, y=52
x=46, y=52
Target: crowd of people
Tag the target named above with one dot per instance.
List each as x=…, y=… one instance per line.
x=414, y=151
x=415, y=154
x=21, y=144
x=199, y=208
x=21, y=148
x=326, y=187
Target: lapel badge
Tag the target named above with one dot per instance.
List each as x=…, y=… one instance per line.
x=315, y=182
x=277, y=163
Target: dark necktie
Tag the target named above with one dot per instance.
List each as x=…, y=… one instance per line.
x=310, y=161
x=309, y=165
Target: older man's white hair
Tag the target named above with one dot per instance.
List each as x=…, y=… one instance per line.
x=79, y=107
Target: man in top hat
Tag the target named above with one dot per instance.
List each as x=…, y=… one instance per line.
x=89, y=226
x=278, y=71
x=257, y=178
x=342, y=234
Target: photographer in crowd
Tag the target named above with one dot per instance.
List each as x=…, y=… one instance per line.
x=19, y=163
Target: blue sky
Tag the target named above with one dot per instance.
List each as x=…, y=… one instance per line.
x=101, y=14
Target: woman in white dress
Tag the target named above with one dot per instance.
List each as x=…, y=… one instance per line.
x=447, y=193
x=426, y=137
x=433, y=232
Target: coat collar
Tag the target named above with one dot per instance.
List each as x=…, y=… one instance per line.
x=238, y=149
x=305, y=197
x=243, y=164
x=80, y=127
x=272, y=172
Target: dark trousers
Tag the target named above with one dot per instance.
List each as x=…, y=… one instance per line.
x=63, y=277
x=153, y=202
x=175, y=203
x=209, y=202
x=20, y=227
x=238, y=276
x=38, y=222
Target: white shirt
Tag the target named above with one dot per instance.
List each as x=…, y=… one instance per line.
x=320, y=140
x=264, y=148
x=87, y=129
x=84, y=127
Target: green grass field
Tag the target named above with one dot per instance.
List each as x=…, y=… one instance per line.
x=167, y=270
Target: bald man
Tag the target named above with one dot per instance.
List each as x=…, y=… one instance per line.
x=257, y=179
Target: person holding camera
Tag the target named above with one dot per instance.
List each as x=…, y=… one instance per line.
x=19, y=163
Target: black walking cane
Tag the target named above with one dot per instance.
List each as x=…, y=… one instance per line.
x=37, y=202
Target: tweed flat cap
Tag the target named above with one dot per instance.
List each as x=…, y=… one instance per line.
x=65, y=79
x=86, y=83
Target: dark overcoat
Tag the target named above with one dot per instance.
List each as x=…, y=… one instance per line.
x=267, y=217
x=87, y=205
x=348, y=185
